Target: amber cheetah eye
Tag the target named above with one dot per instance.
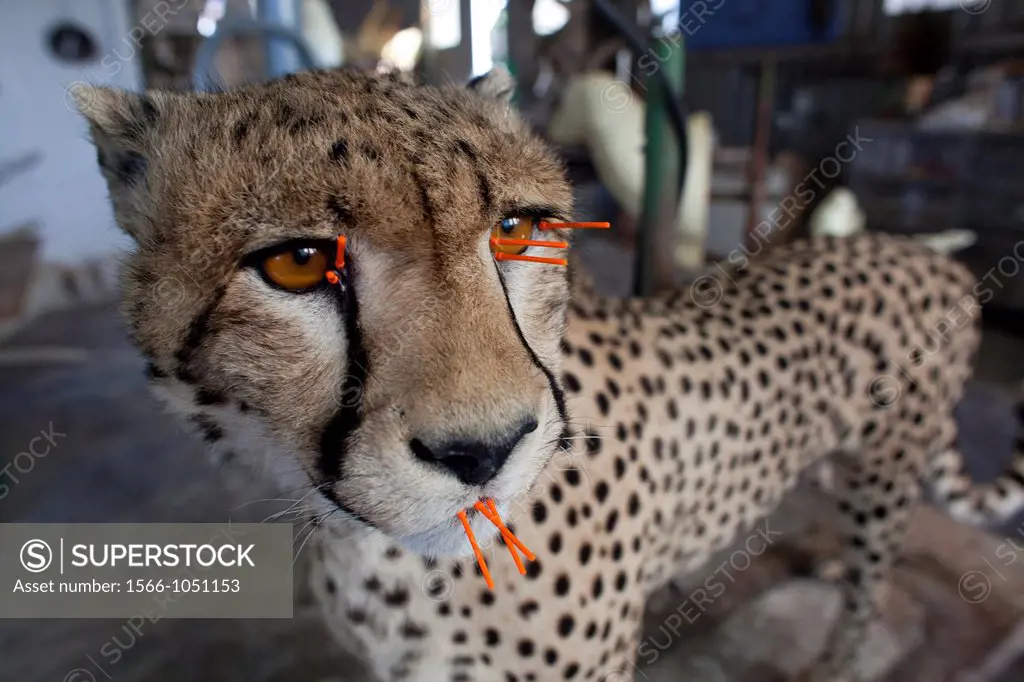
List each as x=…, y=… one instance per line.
x=509, y=231
x=296, y=268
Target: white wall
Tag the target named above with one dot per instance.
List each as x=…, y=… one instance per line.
x=64, y=193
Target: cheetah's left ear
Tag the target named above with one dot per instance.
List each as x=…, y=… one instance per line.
x=495, y=84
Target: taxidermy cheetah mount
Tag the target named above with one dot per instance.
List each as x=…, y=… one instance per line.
x=625, y=440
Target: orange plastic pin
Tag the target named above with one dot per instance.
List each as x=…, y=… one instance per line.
x=490, y=511
x=339, y=257
x=532, y=259
x=501, y=241
x=544, y=225
x=476, y=550
x=334, y=276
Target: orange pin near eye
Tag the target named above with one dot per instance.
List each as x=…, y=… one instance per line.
x=339, y=257
x=511, y=247
x=334, y=276
x=544, y=225
x=498, y=241
x=531, y=259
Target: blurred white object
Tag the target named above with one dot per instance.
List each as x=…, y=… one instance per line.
x=213, y=11
x=970, y=113
x=403, y=49
x=840, y=215
x=602, y=113
x=321, y=33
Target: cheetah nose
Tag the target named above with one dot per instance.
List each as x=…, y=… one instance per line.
x=473, y=461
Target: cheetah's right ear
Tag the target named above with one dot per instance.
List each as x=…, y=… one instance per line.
x=121, y=124
x=495, y=84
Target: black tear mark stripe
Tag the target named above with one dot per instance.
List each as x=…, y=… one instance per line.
x=483, y=184
x=556, y=390
x=197, y=329
x=334, y=438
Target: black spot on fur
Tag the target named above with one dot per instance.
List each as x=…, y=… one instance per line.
x=186, y=376
x=341, y=213
x=242, y=129
x=148, y=111
x=296, y=123
x=339, y=151
x=565, y=440
x=210, y=430
x=411, y=630
x=205, y=396
x=154, y=372
x=425, y=202
x=369, y=152
x=397, y=597
x=483, y=184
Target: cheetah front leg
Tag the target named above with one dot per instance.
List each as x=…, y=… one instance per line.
x=875, y=493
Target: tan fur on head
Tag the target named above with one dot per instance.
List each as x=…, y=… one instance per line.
x=427, y=349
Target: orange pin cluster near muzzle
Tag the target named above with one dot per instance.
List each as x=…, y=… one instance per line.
x=490, y=512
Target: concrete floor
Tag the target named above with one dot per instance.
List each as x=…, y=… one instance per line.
x=122, y=459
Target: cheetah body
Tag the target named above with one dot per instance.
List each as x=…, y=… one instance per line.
x=665, y=428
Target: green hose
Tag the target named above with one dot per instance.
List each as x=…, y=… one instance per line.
x=661, y=160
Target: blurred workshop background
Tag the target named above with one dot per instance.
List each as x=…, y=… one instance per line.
x=798, y=117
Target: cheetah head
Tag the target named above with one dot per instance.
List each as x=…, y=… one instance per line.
x=424, y=380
